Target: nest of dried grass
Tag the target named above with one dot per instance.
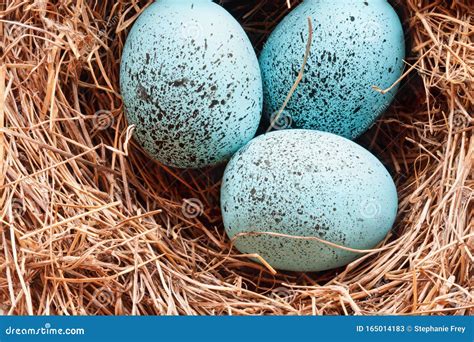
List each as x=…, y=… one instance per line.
x=90, y=225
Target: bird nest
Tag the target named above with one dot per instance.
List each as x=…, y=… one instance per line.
x=89, y=224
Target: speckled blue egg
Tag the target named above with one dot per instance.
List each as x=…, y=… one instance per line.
x=357, y=44
x=286, y=189
x=191, y=83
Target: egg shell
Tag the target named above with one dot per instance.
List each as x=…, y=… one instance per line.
x=306, y=184
x=191, y=83
x=356, y=45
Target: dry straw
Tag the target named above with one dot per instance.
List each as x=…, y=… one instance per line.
x=89, y=225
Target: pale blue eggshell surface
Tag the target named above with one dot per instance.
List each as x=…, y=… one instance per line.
x=191, y=83
x=308, y=184
x=357, y=44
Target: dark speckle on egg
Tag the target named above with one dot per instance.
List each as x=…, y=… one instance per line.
x=306, y=184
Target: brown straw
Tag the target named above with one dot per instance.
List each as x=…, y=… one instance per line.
x=90, y=225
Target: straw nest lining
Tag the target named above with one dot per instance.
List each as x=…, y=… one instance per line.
x=90, y=225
